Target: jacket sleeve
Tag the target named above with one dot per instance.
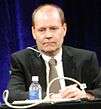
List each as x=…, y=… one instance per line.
x=94, y=77
x=16, y=86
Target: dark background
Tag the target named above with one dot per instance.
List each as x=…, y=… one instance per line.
x=83, y=18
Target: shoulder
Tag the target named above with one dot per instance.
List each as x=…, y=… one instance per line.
x=80, y=53
x=25, y=53
x=22, y=52
x=73, y=50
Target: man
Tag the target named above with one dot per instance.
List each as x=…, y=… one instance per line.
x=49, y=29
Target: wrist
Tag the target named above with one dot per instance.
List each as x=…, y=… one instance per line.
x=90, y=96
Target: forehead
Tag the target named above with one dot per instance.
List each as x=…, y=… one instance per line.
x=46, y=14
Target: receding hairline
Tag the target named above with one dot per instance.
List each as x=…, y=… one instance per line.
x=59, y=10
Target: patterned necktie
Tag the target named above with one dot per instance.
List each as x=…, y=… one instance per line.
x=55, y=87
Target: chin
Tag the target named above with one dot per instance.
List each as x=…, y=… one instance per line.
x=50, y=51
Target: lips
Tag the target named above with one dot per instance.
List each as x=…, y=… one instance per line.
x=48, y=42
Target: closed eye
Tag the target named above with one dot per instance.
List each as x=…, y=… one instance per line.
x=42, y=29
x=53, y=28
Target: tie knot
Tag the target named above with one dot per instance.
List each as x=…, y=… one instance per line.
x=52, y=61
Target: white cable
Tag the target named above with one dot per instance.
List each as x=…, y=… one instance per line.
x=33, y=49
x=5, y=98
x=82, y=86
x=48, y=100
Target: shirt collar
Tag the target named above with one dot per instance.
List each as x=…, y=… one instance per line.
x=58, y=56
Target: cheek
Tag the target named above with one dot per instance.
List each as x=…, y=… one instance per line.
x=38, y=42
x=60, y=38
x=39, y=39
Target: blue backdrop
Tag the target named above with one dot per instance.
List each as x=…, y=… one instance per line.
x=83, y=18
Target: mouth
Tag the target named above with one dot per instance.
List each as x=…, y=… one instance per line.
x=48, y=43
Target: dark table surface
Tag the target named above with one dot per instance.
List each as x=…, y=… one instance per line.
x=96, y=104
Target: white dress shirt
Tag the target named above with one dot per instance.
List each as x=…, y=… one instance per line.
x=59, y=67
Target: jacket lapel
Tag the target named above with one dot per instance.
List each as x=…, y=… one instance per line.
x=69, y=66
x=38, y=68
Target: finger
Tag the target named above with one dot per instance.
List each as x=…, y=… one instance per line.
x=76, y=95
x=67, y=88
x=69, y=95
x=72, y=92
x=56, y=96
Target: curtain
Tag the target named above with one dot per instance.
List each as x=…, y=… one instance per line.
x=83, y=22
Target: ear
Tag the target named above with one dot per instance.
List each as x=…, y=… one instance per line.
x=65, y=28
x=33, y=33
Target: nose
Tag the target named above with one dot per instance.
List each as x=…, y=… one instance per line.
x=48, y=33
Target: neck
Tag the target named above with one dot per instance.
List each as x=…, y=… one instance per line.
x=52, y=53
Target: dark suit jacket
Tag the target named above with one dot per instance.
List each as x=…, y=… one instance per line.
x=79, y=64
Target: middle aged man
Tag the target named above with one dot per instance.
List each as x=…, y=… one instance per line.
x=49, y=29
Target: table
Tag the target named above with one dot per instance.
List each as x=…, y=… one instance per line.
x=96, y=104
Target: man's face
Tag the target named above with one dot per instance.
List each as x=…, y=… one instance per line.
x=48, y=30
